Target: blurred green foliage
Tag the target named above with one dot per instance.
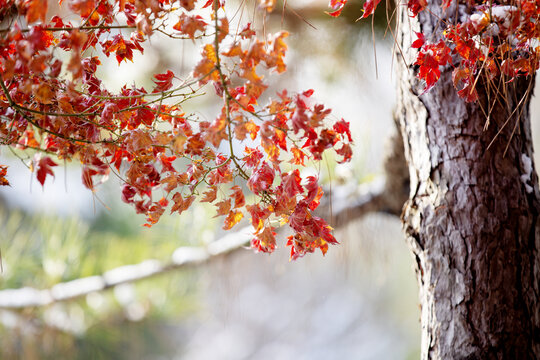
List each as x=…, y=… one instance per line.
x=128, y=322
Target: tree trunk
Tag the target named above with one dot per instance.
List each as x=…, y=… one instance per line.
x=472, y=217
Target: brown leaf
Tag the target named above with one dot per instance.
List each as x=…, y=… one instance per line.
x=210, y=195
x=223, y=207
x=181, y=204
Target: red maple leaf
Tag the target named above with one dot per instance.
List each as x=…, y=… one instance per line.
x=86, y=177
x=265, y=241
x=238, y=196
x=262, y=179
x=253, y=157
x=342, y=127
x=369, y=7
x=163, y=81
x=419, y=42
x=429, y=59
x=44, y=166
x=291, y=184
x=258, y=216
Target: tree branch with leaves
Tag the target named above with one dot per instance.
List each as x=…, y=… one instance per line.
x=166, y=159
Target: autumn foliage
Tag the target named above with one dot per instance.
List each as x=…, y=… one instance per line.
x=498, y=40
x=246, y=161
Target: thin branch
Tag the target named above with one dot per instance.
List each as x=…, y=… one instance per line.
x=350, y=202
x=17, y=108
x=182, y=257
x=67, y=28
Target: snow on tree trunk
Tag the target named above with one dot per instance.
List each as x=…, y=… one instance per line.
x=472, y=218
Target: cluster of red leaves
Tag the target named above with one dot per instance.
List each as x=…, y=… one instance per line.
x=3, y=173
x=60, y=108
x=496, y=40
x=338, y=6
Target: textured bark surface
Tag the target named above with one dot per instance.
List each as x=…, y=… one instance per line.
x=472, y=217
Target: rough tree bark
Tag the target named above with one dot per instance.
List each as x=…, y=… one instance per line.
x=472, y=217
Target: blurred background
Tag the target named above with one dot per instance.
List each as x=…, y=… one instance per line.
x=357, y=302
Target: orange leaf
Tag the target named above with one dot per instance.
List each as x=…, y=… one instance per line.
x=252, y=129
x=188, y=4
x=154, y=213
x=137, y=140
x=207, y=66
x=234, y=50
x=189, y=25
x=3, y=173
x=298, y=156
x=242, y=129
x=44, y=94
x=179, y=142
x=36, y=10
x=170, y=182
x=232, y=219
x=266, y=240
x=223, y=29
x=268, y=5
